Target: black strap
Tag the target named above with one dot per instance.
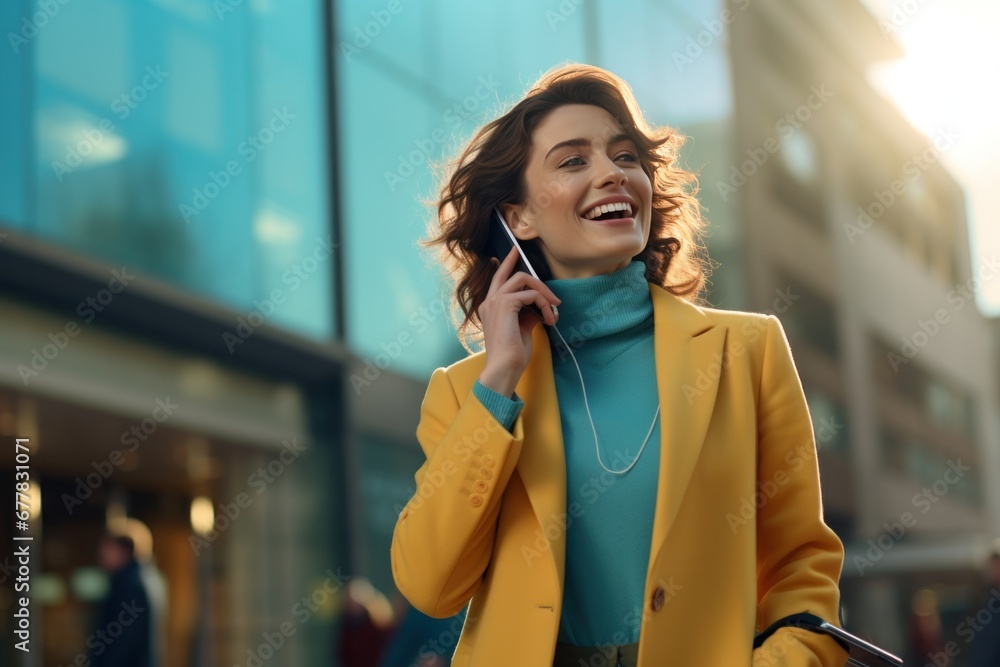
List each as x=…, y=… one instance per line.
x=804, y=620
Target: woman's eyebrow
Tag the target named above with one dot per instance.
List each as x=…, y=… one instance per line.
x=580, y=141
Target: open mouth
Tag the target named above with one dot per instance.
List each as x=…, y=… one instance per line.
x=614, y=211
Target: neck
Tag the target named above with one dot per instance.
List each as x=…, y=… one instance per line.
x=564, y=272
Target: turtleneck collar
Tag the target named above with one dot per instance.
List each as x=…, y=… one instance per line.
x=595, y=307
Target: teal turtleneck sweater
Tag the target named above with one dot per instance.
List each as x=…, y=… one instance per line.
x=607, y=320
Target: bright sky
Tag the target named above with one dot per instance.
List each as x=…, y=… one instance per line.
x=948, y=78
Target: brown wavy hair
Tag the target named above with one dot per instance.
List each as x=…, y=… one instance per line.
x=489, y=171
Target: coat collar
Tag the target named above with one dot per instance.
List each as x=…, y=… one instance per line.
x=686, y=343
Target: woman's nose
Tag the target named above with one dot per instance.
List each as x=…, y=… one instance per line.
x=611, y=173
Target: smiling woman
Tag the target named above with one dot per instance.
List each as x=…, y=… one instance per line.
x=562, y=559
x=537, y=162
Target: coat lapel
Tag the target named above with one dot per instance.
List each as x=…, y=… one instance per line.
x=687, y=346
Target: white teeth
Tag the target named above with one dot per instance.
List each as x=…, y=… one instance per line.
x=605, y=208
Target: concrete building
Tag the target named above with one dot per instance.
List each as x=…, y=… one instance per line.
x=854, y=213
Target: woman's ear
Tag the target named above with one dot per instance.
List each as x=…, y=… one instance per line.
x=519, y=224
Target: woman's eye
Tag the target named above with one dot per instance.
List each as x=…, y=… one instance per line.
x=577, y=161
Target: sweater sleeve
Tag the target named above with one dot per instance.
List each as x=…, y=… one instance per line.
x=504, y=409
x=799, y=558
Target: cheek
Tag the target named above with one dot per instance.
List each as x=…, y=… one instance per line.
x=645, y=187
x=565, y=202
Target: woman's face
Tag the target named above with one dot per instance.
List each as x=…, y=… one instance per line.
x=580, y=157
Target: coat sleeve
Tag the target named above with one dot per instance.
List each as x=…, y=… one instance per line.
x=443, y=538
x=799, y=558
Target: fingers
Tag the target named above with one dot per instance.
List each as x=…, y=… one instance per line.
x=503, y=268
x=529, y=296
x=503, y=281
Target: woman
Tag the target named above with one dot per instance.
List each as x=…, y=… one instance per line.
x=539, y=500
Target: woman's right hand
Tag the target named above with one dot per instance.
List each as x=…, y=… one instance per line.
x=507, y=324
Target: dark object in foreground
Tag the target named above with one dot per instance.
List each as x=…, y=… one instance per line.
x=860, y=652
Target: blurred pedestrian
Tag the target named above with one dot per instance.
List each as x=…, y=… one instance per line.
x=123, y=636
x=983, y=621
x=366, y=625
x=926, y=636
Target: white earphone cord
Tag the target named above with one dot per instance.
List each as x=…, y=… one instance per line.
x=590, y=417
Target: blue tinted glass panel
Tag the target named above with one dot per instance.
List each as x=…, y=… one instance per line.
x=15, y=59
x=186, y=140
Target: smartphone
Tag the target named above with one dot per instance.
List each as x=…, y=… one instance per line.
x=501, y=240
x=860, y=652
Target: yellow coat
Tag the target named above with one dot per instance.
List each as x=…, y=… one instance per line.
x=738, y=537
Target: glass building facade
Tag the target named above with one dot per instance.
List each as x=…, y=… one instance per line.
x=186, y=140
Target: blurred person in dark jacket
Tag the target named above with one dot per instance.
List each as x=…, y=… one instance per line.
x=981, y=628
x=123, y=636
x=926, y=634
x=366, y=625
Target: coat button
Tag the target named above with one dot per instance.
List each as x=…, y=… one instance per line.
x=480, y=486
x=489, y=461
x=659, y=597
x=486, y=473
x=476, y=500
